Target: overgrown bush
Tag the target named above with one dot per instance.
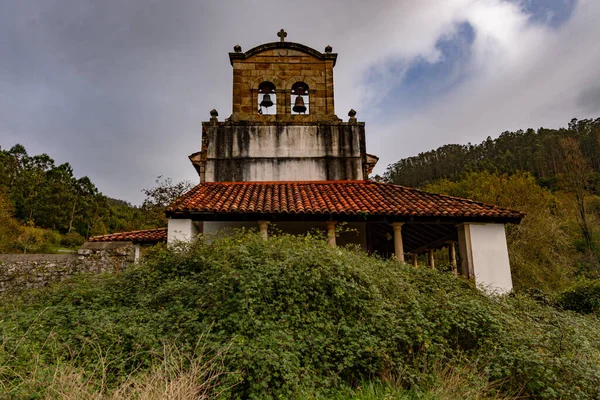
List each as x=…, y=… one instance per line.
x=583, y=297
x=298, y=317
x=72, y=240
x=37, y=240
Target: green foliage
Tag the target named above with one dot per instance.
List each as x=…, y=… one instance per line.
x=539, y=247
x=537, y=152
x=159, y=197
x=72, y=240
x=583, y=297
x=9, y=227
x=560, y=237
x=48, y=195
x=298, y=318
x=51, y=197
x=37, y=240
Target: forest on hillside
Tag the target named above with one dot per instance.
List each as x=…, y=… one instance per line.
x=44, y=205
x=545, y=154
x=553, y=175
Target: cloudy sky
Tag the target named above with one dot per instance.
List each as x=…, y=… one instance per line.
x=119, y=88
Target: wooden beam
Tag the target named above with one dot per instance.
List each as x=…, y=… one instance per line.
x=433, y=245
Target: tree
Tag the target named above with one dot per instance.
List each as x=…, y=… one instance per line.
x=84, y=193
x=575, y=175
x=9, y=227
x=159, y=197
x=537, y=152
x=48, y=196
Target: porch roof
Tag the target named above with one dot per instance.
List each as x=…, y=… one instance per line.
x=146, y=236
x=319, y=200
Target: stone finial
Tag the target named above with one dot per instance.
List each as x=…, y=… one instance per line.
x=328, y=49
x=282, y=35
x=213, y=115
x=352, y=115
x=237, y=48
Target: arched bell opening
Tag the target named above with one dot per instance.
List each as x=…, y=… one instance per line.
x=300, y=99
x=267, y=99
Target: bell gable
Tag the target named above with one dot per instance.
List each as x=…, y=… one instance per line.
x=283, y=66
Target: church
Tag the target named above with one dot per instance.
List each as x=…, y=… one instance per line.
x=284, y=161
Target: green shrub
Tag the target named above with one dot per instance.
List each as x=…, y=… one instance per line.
x=72, y=240
x=583, y=297
x=38, y=240
x=298, y=317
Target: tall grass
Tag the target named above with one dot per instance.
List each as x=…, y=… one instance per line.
x=172, y=374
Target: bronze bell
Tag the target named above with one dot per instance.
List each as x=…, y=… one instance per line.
x=300, y=90
x=266, y=101
x=299, y=106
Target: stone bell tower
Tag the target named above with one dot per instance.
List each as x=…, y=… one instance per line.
x=283, y=125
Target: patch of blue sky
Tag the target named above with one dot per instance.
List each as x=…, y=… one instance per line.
x=425, y=80
x=553, y=13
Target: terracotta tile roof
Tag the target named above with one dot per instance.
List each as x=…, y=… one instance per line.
x=144, y=236
x=359, y=198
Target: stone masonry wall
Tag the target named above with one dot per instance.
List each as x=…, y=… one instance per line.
x=283, y=67
x=23, y=271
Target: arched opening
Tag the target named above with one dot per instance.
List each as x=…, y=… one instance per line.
x=300, y=99
x=267, y=99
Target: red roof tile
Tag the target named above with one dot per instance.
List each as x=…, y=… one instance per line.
x=331, y=198
x=144, y=236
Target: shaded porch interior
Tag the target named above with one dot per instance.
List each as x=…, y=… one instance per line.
x=419, y=239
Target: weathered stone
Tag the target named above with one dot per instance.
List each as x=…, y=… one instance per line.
x=22, y=271
x=283, y=66
x=302, y=150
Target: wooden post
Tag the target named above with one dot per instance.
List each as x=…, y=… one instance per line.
x=331, y=233
x=398, y=246
x=263, y=229
x=415, y=260
x=431, y=259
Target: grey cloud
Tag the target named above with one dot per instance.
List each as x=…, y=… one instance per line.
x=589, y=100
x=120, y=88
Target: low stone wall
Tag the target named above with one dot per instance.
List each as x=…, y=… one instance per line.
x=22, y=271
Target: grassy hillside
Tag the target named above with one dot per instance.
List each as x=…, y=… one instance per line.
x=289, y=318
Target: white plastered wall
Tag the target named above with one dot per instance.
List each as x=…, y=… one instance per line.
x=181, y=230
x=284, y=153
x=484, y=256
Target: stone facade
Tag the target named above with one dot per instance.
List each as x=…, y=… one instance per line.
x=255, y=146
x=24, y=271
x=283, y=64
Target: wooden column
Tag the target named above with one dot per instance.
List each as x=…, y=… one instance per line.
x=415, y=260
x=431, y=259
x=263, y=229
x=331, y=233
x=398, y=246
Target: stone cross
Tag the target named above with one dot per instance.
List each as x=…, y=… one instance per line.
x=282, y=35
